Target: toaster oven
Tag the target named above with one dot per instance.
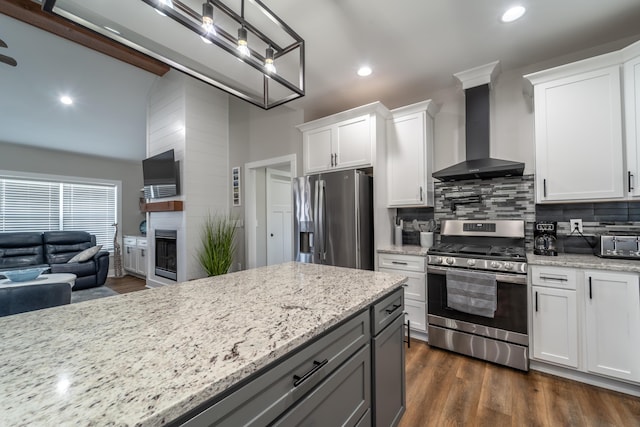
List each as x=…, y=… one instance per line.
x=626, y=247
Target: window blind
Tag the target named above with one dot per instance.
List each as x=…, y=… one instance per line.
x=30, y=205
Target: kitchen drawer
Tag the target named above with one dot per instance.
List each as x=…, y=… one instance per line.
x=416, y=286
x=416, y=314
x=269, y=395
x=130, y=241
x=402, y=262
x=385, y=311
x=142, y=243
x=554, y=277
x=342, y=400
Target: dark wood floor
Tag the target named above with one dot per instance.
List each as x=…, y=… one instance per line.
x=447, y=389
x=125, y=284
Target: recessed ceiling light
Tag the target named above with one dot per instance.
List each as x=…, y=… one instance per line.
x=513, y=14
x=66, y=100
x=364, y=71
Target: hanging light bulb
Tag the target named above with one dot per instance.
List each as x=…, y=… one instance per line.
x=268, y=61
x=207, y=21
x=242, y=42
x=168, y=3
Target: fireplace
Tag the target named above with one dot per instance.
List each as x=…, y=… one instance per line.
x=166, y=259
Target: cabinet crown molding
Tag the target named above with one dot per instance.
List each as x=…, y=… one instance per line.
x=567, y=70
x=631, y=51
x=377, y=108
x=429, y=106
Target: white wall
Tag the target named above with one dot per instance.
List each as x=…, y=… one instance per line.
x=192, y=118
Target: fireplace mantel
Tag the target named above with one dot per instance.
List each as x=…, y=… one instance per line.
x=168, y=206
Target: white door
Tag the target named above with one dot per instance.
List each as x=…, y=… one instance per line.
x=279, y=217
x=612, y=330
x=555, y=325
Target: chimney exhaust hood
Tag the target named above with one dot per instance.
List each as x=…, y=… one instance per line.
x=476, y=85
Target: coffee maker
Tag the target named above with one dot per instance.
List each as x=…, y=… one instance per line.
x=544, y=238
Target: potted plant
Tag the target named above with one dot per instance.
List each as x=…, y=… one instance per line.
x=218, y=246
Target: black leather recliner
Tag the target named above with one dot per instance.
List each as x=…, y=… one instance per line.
x=53, y=249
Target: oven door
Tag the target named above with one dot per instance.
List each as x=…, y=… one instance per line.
x=510, y=315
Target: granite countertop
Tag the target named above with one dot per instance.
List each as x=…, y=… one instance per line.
x=584, y=261
x=403, y=250
x=147, y=357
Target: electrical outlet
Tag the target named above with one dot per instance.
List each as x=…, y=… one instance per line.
x=575, y=225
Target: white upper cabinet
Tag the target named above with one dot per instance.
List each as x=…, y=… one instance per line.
x=410, y=155
x=345, y=140
x=578, y=131
x=631, y=56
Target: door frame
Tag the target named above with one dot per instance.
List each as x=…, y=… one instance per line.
x=250, y=212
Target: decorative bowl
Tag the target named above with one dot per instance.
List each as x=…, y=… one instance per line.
x=24, y=275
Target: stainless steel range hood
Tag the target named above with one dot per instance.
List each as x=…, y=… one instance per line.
x=478, y=164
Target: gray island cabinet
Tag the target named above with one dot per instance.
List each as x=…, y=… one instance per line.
x=292, y=344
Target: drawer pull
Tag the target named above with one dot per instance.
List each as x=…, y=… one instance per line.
x=558, y=279
x=393, y=308
x=399, y=263
x=316, y=366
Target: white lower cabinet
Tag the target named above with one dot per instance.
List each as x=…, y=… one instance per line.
x=612, y=324
x=415, y=290
x=135, y=255
x=588, y=320
x=555, y=320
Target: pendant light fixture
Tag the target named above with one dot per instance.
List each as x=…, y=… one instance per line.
x=268, y=61
x=207, y=22
x=243, y=46
x=252, y=77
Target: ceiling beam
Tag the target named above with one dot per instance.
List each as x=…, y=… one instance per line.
x=29, y=12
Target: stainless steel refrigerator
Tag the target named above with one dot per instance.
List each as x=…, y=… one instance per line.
x=333, y=219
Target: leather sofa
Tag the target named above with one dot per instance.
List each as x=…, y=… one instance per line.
x=54, y=249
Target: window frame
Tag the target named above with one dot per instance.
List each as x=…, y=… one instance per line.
x=65, y=179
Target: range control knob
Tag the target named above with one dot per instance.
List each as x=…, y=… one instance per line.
x=450, y=261
x=471, y=262
x=508, y=265
x=495, y=264
x=437, y=259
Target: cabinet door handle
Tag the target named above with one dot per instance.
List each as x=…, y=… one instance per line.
x=421, y=199
x=393, y=308
x=630, y=179
x=331, y=157
x=128, y=250
x=590, y=290
x=316, y=366
x=399, y=263
x=335, y=159
x=536, y=300
x=408, y=341
x=141, y=252
x=544, y=187
x=559, y=279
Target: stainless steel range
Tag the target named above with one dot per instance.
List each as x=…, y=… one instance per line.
x=477, y=291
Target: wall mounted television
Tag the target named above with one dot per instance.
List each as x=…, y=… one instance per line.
x=161, y=174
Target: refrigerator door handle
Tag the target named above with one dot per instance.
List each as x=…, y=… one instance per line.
x=319, y=219
x=322, y=223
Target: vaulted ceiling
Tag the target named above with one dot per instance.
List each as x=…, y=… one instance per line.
x=413, y=47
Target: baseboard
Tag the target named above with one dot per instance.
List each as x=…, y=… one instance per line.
x=583, y=377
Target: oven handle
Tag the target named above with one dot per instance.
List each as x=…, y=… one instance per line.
x=517, y=279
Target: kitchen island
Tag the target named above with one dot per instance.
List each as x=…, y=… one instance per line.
x=147, y=358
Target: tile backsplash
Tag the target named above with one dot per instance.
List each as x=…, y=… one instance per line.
x=487, y=199
x=597, y=218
